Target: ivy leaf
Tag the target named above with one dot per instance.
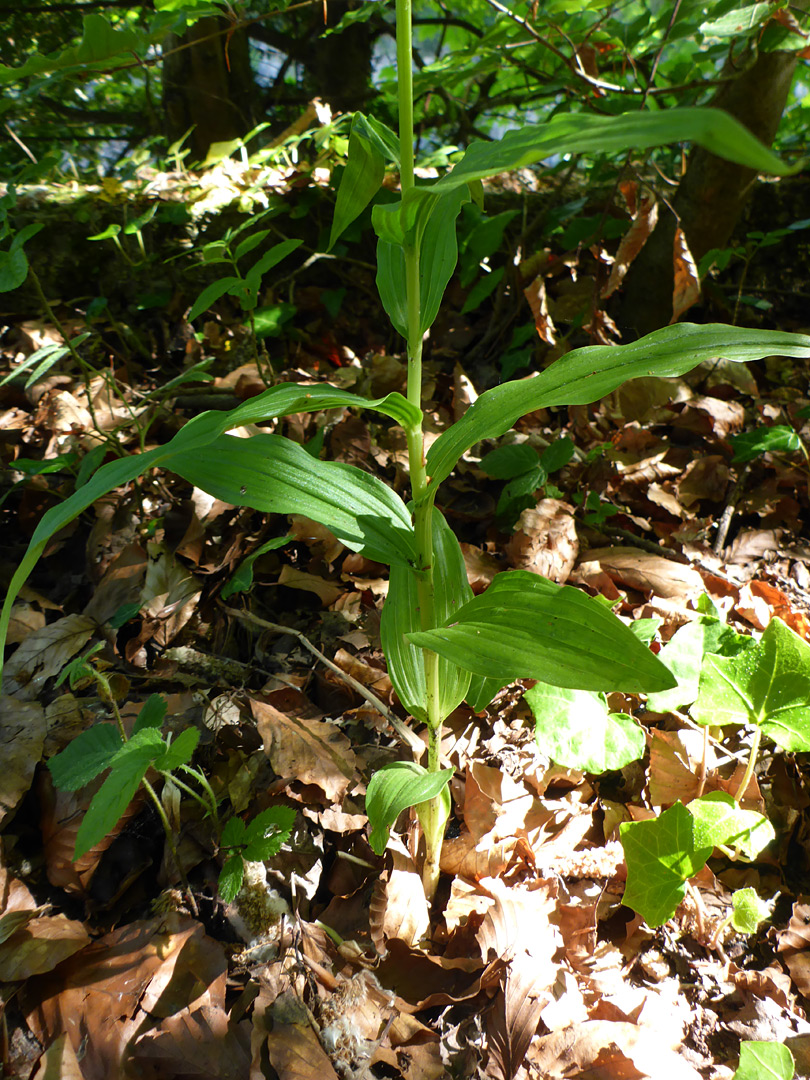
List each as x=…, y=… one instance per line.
x=748, y=911
x=720, y=821
x=393, y=789
x=661, y=856
x=765, y=1061
x=683, y=655
x=766, y=685
x=576, y=729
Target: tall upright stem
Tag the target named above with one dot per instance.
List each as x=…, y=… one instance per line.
x=422, y=497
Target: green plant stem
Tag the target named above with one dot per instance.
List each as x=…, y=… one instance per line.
x=749, y=768
x=423, y=500
x=170, y=843
x=188, y=789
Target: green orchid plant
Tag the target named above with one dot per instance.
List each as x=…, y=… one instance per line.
x=443, y=645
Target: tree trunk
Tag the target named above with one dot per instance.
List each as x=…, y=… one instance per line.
x=709, y=199
x=207, y=84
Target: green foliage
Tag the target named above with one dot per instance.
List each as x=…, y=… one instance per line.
x=256, y=841
x=748, y=911
x=753, y=444
x=576, y=729
x=765, y=1061
x=765, y=684
x=526, y=471
x=395, y=788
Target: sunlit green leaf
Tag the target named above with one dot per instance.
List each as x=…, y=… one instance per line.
x=748, y=911
x=576, y=729
x=85, y=756
x=721, y=822
x=765, y=1061
x=393, y=789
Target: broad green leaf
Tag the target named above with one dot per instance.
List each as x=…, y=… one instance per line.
x=765, y=1061
x=524, y=626
x=438, y=254
x=84, y=757
x=180, y=750
x=362, y=177
x=767, y=685
x=752, y=444
x=274, y=475
x=738, y=21
x=576, y=729
x=585, y=133
x=13, y=269
x=661, y=856
x=153, y=710
x=587, y=374
x=115, y=794
x=100, y=41
x=683, y=655
x=230, y=878
x=748, y=911
x=391, y=284
x=482, y=691
x=400, y=616
x=210, y=295
x=721, y=822
x=506, y=462
x=203, y=429
x=393, y=789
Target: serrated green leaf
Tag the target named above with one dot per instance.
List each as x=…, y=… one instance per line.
x=748, y=911
x=114, y=795
x=393, y=789
x=275, y=821
x=180, y=750
x=524, y=626
x=89, y=754
x=152, y=713
x=230, y=878
x=400, y=616
x=587, y=374
x=767, y=685
x=233, y=834
x=720, y=821
x=274, y=475
x=765, y=1061
x=576, y=729
x=661, y=857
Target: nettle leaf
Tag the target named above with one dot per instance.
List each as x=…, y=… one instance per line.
x=400, y=617
x=153, y=710
x=587, y=374
x=230, y=878
x=720, y=821
x=683, y=655
x=748, y=911
x=393, y=789
x=89, y=754
x=766, y=685
x=115, y=794
x=180, y=750
x=661, y=856
x=765, y=1061
x=274, y=475
x=576, y=729
x=524, y=626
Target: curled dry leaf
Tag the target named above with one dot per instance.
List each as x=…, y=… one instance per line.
x=794, y=946
x=545, y=540
x=644, y=221
x=399, y=908
x=535, y=293
x=637, y=569
x=22, y=737
x=486, y=859
x=686, y=291
x=44, y=653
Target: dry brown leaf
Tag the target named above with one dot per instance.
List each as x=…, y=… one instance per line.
x=169, y=596
x=545, y=540
x=704, y=478
x=608, y=1050
x=59, y=1062
x=290, y=1043
x=794, y=946
x=196, y=1045
x=636, y=569
x=22, y=738
x=25, y=619
x=121, y=584
x=464, y=393
x=326, y=591
x=645, y=218
x=422, y=981
x=686, y=291
x=309, y=751
x=535, y=293
x=398, y=908
x=487, y=858
x=44, y=653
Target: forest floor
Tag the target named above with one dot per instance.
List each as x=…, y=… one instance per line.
x=330, y=962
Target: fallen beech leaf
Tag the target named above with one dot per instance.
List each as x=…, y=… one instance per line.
x=545, y=540
x=615, y=1049
x=309, y=751
x=645, y=218
x=398, y=908
x=40, y=945
x=794, y=946
x=326, y=591
x=44, y=653
x=637, y=569
x=22, y=738
x=686, y=291
x=59, y=1060
x=535, y=293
